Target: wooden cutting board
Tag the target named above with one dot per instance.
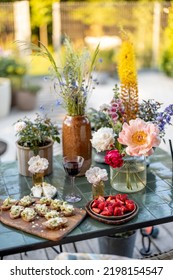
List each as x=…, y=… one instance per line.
x=36, y=227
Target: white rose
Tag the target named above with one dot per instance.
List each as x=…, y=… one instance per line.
x=96, y=174
x=37, y=164
x=19, y=126
x=103, y=139
x=33, y=160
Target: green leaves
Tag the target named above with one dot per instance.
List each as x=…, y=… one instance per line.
x=73, y=80
x=37, y=133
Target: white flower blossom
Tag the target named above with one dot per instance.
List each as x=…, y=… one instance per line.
x=103, y=139
x=37, y=164
x=95, y=174
x=19, y=126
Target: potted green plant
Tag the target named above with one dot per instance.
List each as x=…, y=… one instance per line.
x=27, y=97
x=14, y=68
x=35, y=138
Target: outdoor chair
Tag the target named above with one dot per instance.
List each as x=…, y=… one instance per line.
x=86, y=256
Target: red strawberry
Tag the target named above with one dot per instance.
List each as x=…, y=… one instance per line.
x=95, y=203
x=124, y=209
x=110, y=198
x=101, y=205
x=112, y=201
x=123, y=196
x=96, y=210
x=111, y=209
x=105, y=212
x=101, y=198
x=117, y=204
x=120, y=201
x=130, y=205
x=118, y=211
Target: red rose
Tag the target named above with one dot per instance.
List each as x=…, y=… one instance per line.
x=114, y=158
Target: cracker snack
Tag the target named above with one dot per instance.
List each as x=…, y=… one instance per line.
x=55, y=223
x=28, y=214
x=7, y=203
x=15, y=211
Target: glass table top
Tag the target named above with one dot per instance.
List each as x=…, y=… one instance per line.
x=155, y=203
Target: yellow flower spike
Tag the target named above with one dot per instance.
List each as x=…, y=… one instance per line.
x=128, y=78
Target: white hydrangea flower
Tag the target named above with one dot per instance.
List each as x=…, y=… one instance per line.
x=95, y=174
x=103, y=139
x=37, y=164
x=19, y=126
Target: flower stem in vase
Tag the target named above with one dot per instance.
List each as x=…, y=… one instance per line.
x=98, y=189
x=128, y=178
x=38, y=178
x=131, y=177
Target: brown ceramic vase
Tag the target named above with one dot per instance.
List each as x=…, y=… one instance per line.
x=76, y=135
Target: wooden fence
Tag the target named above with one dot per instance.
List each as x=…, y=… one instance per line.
x=144, y=21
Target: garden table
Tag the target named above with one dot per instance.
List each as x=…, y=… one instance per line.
x=155, y=203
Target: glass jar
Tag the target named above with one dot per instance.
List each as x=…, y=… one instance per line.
x=131, y=177
x=98, y=189
x=37, y=178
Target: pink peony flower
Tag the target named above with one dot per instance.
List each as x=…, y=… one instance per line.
x=114, y=158
x=140, y=137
